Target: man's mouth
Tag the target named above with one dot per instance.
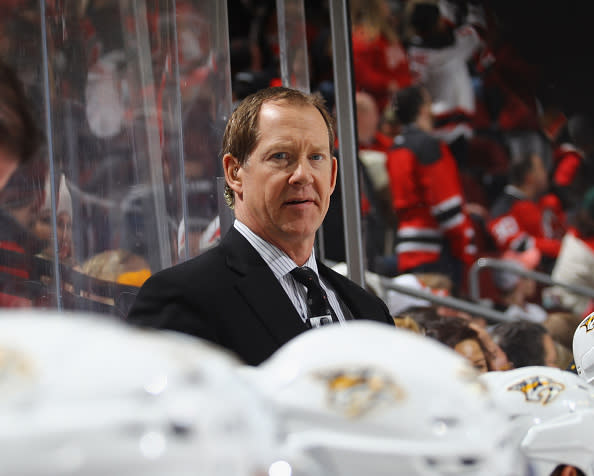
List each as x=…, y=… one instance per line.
x=297, y=202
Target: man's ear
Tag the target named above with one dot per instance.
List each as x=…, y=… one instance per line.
x=232, y=171
x=334, y=174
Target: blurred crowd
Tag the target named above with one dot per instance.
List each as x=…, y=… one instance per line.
x=462, y=155
x=109, y=153
x=460, y=158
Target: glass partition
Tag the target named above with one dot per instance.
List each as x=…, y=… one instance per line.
x=131, y=97
x=293, y=55
x=27, y=225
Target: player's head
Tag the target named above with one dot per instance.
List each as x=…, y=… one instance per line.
x=366, y=398
x=88, y=396
x=554, y=412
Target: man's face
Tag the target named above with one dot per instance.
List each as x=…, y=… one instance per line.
x=283, y=189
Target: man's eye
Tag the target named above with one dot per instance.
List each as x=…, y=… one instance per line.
x=317, y=157
x=280, y=156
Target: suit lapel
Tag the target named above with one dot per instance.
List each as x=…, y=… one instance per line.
x=261, y=290
x=349, y=297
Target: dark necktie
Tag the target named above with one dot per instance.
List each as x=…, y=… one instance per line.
x=317, y=300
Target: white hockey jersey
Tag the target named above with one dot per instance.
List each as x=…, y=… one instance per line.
x=444, y=71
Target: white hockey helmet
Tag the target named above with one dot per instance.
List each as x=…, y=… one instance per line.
x=554, y=411
x=366, y=398
x=583, y=348
x=83, y=395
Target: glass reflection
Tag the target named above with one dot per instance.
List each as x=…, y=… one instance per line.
x=138, y=95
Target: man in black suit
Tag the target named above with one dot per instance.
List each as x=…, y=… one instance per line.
x=280, y=173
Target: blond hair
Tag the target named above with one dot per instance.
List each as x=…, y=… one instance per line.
x=407, y=322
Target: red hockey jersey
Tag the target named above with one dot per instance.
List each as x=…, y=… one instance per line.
x=567, y=161
x=428, y=201
x=519, y=223
x=378, y=62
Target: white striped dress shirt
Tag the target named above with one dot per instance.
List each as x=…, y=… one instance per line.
x=281, y=265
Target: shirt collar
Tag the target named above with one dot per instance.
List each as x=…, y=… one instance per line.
x=279, y=262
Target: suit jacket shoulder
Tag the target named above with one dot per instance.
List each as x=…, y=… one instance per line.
x=227, y=295
x=165, y=299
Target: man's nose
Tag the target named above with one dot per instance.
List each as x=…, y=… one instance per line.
x=302, y=173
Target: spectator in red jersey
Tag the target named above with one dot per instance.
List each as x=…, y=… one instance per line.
x=575, y=262
x=20, y=200
x=434, y=233
x=379, y=59
x=523, y=216
x=573, y=170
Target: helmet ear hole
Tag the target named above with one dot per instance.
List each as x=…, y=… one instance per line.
x=586, y=365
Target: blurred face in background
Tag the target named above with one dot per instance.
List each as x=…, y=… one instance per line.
x=471, y=350
x=43, y=230
x=367, y=117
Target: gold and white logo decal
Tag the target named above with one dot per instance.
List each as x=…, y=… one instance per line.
x=13, y=363
x=588, y=323
x=355, y=392
x=16, y=371
x=538, y=389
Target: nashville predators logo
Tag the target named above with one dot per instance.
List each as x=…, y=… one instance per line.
x=355, y=392
x=13, y=362
x=538, y=389
x=588, y=323
x=14, y=366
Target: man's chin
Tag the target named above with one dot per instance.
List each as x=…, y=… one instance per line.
x=299, y=233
